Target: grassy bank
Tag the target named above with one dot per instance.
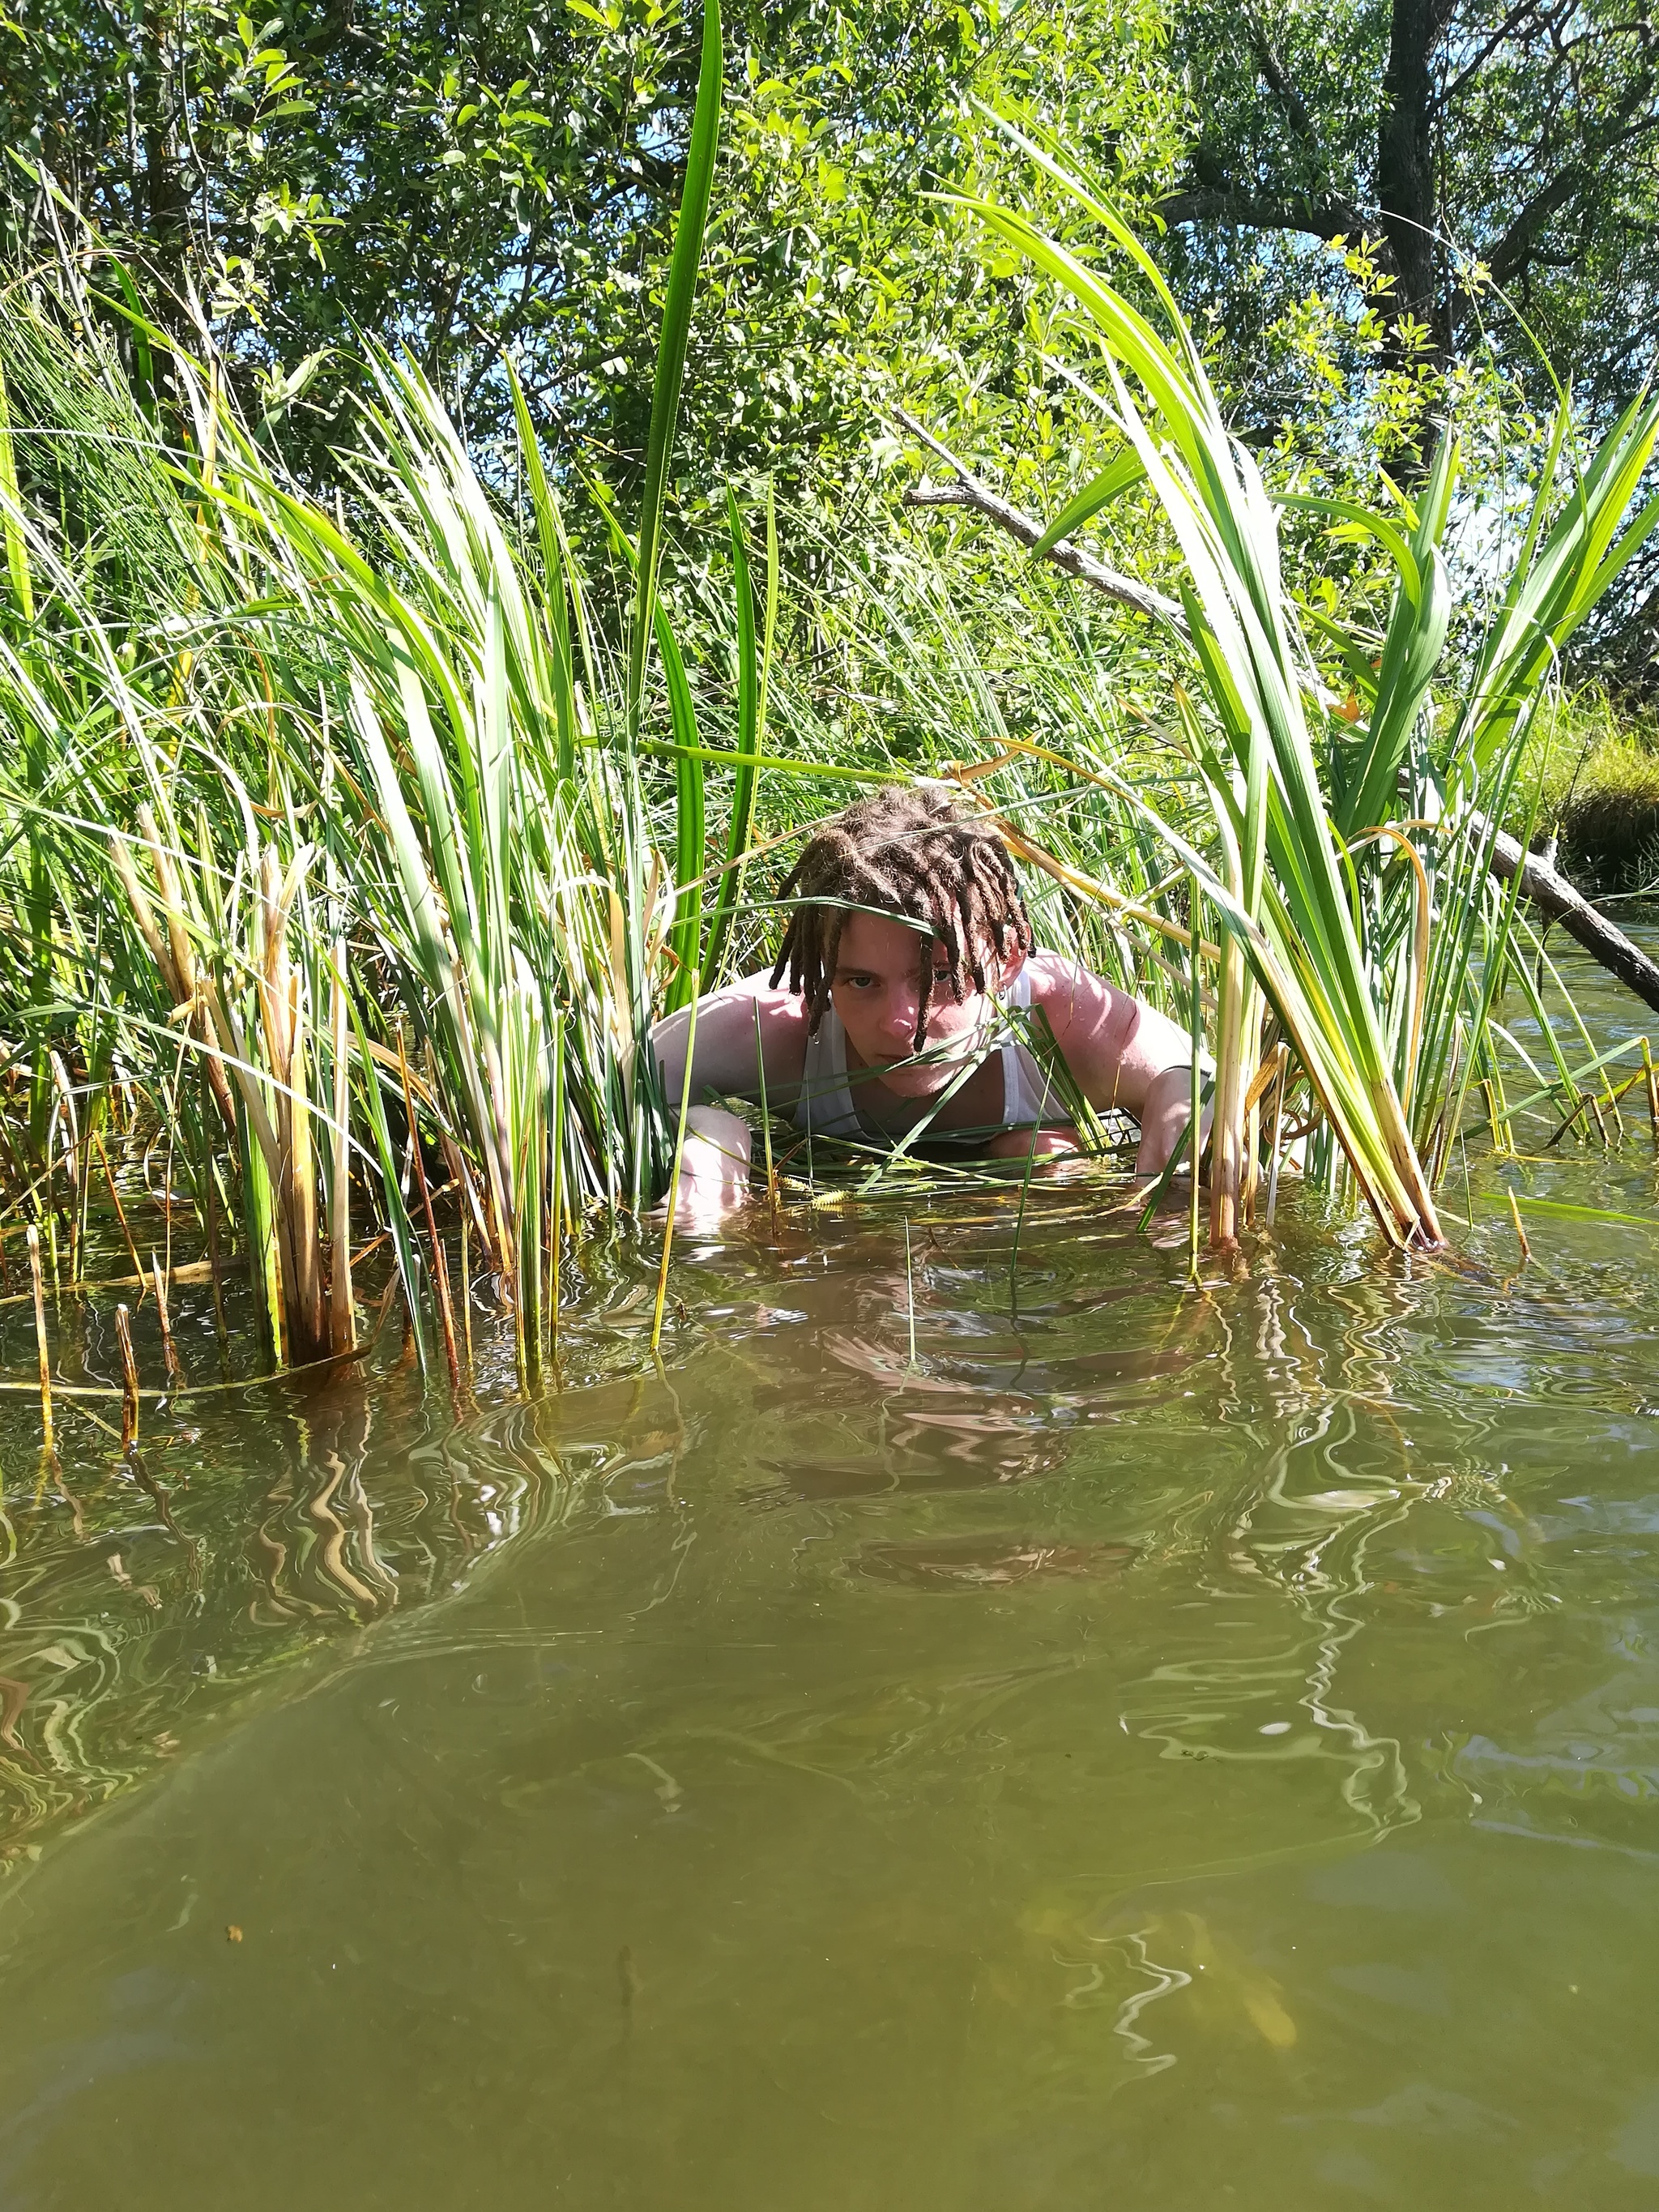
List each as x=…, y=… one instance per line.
x=1599, y=776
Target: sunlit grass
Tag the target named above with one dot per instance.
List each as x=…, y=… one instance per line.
x=350, y=844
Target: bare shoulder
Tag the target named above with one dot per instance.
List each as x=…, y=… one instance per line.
x=1073, y=997
x=781, y=1015
x=728, y=1022
x=1116, y=1044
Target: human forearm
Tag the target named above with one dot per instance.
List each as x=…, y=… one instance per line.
x=714, y=1166
x=1165, y=1118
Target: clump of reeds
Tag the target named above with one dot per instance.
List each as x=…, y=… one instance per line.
x=1360, y=923
x=352, y=845
x=359, y=828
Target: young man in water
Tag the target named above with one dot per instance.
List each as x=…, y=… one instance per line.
x=908, y=931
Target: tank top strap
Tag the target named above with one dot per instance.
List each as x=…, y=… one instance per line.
x=1027, y=1095
x=825, y=1104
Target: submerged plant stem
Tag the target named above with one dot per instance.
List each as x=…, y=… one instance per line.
x=674, y=1181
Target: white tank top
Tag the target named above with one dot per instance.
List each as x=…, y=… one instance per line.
x=827, y=1108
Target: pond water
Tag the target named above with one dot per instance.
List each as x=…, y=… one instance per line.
x=1166, y=1747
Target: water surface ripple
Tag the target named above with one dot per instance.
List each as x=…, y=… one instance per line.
x=1165, y=1745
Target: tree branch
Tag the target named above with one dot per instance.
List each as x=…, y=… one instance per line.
x=1278, y=78
x=1329, y=216
x=1511, y=24
x=969, y=490
x=1539, y=879
x=1516, y=249
x=1556, y=895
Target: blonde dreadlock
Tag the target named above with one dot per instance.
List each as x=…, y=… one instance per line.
x=911, y=854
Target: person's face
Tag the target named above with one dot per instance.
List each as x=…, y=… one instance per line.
x=873, y=990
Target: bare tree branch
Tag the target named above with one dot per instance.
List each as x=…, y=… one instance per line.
x=1510, y=23
x=1329, y=216
x=1278, y=78
x=1517, y=247
x=969, y=490
x=1539, y=879
x=1556, y=895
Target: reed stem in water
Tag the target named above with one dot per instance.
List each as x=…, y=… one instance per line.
x=40, y=1288
x=128, y=1379
x=1196, y=1093
x=674, y=1179
x=440, y=1271
x=1515, y=1215
x=169, y=1350
x=115, y=1200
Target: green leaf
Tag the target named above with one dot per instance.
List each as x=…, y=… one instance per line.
x=1120, y=474
x=753, y=668
x=690, y=842
x=671, y=348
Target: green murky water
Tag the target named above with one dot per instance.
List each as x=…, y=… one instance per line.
x=1164, y=1749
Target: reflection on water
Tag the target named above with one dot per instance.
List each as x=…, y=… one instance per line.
x=1168, y=1747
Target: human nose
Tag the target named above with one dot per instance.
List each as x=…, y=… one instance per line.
x=898, y=1013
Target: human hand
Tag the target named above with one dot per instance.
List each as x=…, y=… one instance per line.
x=713, y=1168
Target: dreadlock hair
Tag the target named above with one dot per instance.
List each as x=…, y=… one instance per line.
x=913, y=853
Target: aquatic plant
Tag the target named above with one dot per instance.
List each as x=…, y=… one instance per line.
x=350, y=845
x=1382, y=990
x=431, y=721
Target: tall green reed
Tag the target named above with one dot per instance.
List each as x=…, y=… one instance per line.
x=1314, y=888
x=433, y=723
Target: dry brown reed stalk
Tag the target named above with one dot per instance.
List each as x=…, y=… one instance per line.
x=95, y=1390
x=174, y=958
x=130, y=1380
x=71, y=1148
x=1521, y=1234
x=293, y=1176
x=115, y=1200
x=169, y=1350
x=466, y=1292
x=210, y=1209
x=188, y=1271
x=40, y=1289
x=1280, y=1088
x=275, y=1099
x=1088, y=887
x=439, y=1268
x=343, y=1317
x=1588, y=1103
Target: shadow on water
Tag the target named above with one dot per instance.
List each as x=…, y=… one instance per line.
x=1157, y=1744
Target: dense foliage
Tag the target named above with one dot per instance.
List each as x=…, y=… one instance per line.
x=367, y=796
x=1378, y=213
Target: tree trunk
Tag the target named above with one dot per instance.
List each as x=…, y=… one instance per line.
x=164, y=194
x=1406, y=190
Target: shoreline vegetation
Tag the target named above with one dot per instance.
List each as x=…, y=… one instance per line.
x=352, y=837
x=1600, y=798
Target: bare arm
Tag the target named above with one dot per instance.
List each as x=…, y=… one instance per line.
x=724, y=1059
x=741, y=1030
x=1121, y=1051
